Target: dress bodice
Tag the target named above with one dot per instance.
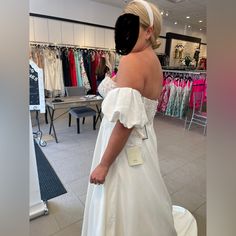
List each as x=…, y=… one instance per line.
x=150, y=105
x=106, y=86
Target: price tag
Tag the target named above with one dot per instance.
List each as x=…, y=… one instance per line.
x=134, y=156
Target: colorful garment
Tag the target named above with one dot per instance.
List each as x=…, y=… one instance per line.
x=164, y=98
x=185, y=100
x=178, y=100
x=171, y=101
x=84, y=76
x=78, y=72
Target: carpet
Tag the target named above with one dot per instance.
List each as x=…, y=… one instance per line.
x=50, y=184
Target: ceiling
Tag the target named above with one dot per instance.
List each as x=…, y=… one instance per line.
x=177, y=12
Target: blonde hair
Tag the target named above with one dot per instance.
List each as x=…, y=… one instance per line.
x=138, y=9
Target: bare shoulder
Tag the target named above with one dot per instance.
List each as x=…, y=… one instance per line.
x=130, y=73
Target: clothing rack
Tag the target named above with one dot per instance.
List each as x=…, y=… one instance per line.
x=180, y=112
x=185, y=72
x=87, y=61
x=34, y=43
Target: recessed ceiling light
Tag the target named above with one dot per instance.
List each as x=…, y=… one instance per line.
x=167, y=14
x=162, y=12
x=176, y=23
x=201, y=29
x=187, y=17
x=200, y=21
x=189, y=26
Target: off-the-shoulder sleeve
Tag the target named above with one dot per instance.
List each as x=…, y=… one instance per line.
x=125, y=105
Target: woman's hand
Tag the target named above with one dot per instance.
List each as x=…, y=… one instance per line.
x=99, y=174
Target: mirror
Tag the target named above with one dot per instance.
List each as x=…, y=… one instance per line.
x=184, y=51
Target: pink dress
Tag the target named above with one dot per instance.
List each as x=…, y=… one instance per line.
x=198, y=86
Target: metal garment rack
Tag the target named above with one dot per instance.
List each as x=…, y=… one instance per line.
x=34, y=43
x=185, y=72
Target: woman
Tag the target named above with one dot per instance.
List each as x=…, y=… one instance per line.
x=127, y=195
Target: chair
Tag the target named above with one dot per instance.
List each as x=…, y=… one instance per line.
x=79, y=112
x=198, y=116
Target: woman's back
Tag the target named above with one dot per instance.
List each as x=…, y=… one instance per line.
x=141, y=71
x=152, y=74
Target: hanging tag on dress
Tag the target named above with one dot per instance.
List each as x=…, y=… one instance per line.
x=134, y=156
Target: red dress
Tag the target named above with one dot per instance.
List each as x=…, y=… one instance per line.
x=72, y=68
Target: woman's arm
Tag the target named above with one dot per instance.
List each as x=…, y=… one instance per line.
x=118, y=138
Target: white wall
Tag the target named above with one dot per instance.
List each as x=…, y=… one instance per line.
x=80, y=10
x=61, y=32
x=91, y=12
x=97, y=13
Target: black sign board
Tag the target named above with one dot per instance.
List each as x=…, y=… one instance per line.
x=37, y=101
x=34, y=86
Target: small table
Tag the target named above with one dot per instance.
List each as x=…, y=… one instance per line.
x=70, y=102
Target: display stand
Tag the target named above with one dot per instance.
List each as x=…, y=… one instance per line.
x=37, y=206
x=37, y=103
x=37, y=100
x=38, y=134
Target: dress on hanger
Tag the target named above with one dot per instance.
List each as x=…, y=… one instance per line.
x=77, y=65
x=53, y=71
x=178, y=99
x=87, y=64
x=59, y=87
x=185, y=99
x=93, y=73
x=84, y=76
x=163, y=101
x=66, y=68
x=171, y=100
x=72, y=68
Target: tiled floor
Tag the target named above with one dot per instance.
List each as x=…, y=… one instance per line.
x=182, y=156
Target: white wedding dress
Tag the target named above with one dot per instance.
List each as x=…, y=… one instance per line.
x=134, y=200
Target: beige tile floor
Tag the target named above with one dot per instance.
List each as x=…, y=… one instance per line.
x=182, y=156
